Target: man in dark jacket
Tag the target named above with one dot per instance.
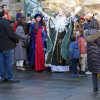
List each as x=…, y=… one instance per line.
x=8, y=41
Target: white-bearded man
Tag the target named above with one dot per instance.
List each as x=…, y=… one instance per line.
x=59, y=32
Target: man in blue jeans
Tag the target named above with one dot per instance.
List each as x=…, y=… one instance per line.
x=8, y=41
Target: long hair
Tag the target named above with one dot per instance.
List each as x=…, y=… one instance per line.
x=38, y=24
x=21, y=23
x=94, y=24
x=23, y=17
x=98, y=18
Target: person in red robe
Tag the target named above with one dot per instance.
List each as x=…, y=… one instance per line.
x=38, y=38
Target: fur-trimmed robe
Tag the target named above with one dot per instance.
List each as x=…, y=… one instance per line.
x=52, y=40
x=93, y=50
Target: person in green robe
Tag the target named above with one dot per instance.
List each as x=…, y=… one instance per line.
x=60, y=29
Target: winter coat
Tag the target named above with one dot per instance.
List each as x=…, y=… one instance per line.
x=87, y=26
x=74, y=51
x=81, y=41
x=20, y=51
x=27, y=28
x=93, y=50
x=8, y=38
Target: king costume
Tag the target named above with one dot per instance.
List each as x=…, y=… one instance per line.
x=59, y=30
x=58, y=44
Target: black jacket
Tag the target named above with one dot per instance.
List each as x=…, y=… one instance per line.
x=8, y=38
x=93, y=50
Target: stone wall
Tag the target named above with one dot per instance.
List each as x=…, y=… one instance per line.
x=92, y=6
x=13, y=5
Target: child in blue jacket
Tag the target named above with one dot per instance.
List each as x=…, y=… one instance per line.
x=74, y=54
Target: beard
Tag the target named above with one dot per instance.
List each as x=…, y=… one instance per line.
x=60, y=23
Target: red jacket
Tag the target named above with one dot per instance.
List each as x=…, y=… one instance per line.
x=15, y=26
x=82, y=46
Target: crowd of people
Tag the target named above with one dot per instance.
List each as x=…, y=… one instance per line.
x=58, y=43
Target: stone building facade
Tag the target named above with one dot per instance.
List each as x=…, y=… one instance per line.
x=92, y=6
x=13, y=5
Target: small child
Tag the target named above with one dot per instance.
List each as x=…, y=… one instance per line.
x=82, y=46
x=74, y=54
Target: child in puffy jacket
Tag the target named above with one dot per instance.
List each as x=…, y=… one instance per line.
x=74, y=54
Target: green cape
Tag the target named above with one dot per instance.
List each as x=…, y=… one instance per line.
x=65, y=44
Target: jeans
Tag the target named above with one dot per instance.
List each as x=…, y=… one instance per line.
x=74, y=65
x=6, y=63
x=95, y=80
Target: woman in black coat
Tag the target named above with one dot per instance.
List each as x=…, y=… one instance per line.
x=93, y=51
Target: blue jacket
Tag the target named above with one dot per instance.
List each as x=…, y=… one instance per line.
x=74, y=51
x=87, y=26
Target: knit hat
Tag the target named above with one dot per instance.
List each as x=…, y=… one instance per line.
x=18, y=16
x=81, y=18
x=37, y=15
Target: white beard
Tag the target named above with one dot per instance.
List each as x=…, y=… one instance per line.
x=60, y=23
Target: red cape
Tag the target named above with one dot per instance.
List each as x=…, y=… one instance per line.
x=39, y=53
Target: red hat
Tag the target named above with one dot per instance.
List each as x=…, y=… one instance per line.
x=81, y=18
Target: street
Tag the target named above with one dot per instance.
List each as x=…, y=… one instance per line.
x=48, y=86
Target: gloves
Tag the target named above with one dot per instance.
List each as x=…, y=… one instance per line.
x=40, y=9
x=78, y=9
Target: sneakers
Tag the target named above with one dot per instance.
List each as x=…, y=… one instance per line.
x=13, y=81
x=10, y=81
x=21, y=69
x=88, y=73
x=4, y=81
x=81, y=73
x=74, y=76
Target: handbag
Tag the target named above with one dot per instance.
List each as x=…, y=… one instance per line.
x=25, y=43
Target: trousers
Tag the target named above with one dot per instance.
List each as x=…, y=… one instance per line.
x=6, y=63
x=95, y=80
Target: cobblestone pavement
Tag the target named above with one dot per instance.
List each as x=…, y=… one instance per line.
x=48, y=86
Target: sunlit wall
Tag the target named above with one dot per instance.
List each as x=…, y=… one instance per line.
x=92, y=6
